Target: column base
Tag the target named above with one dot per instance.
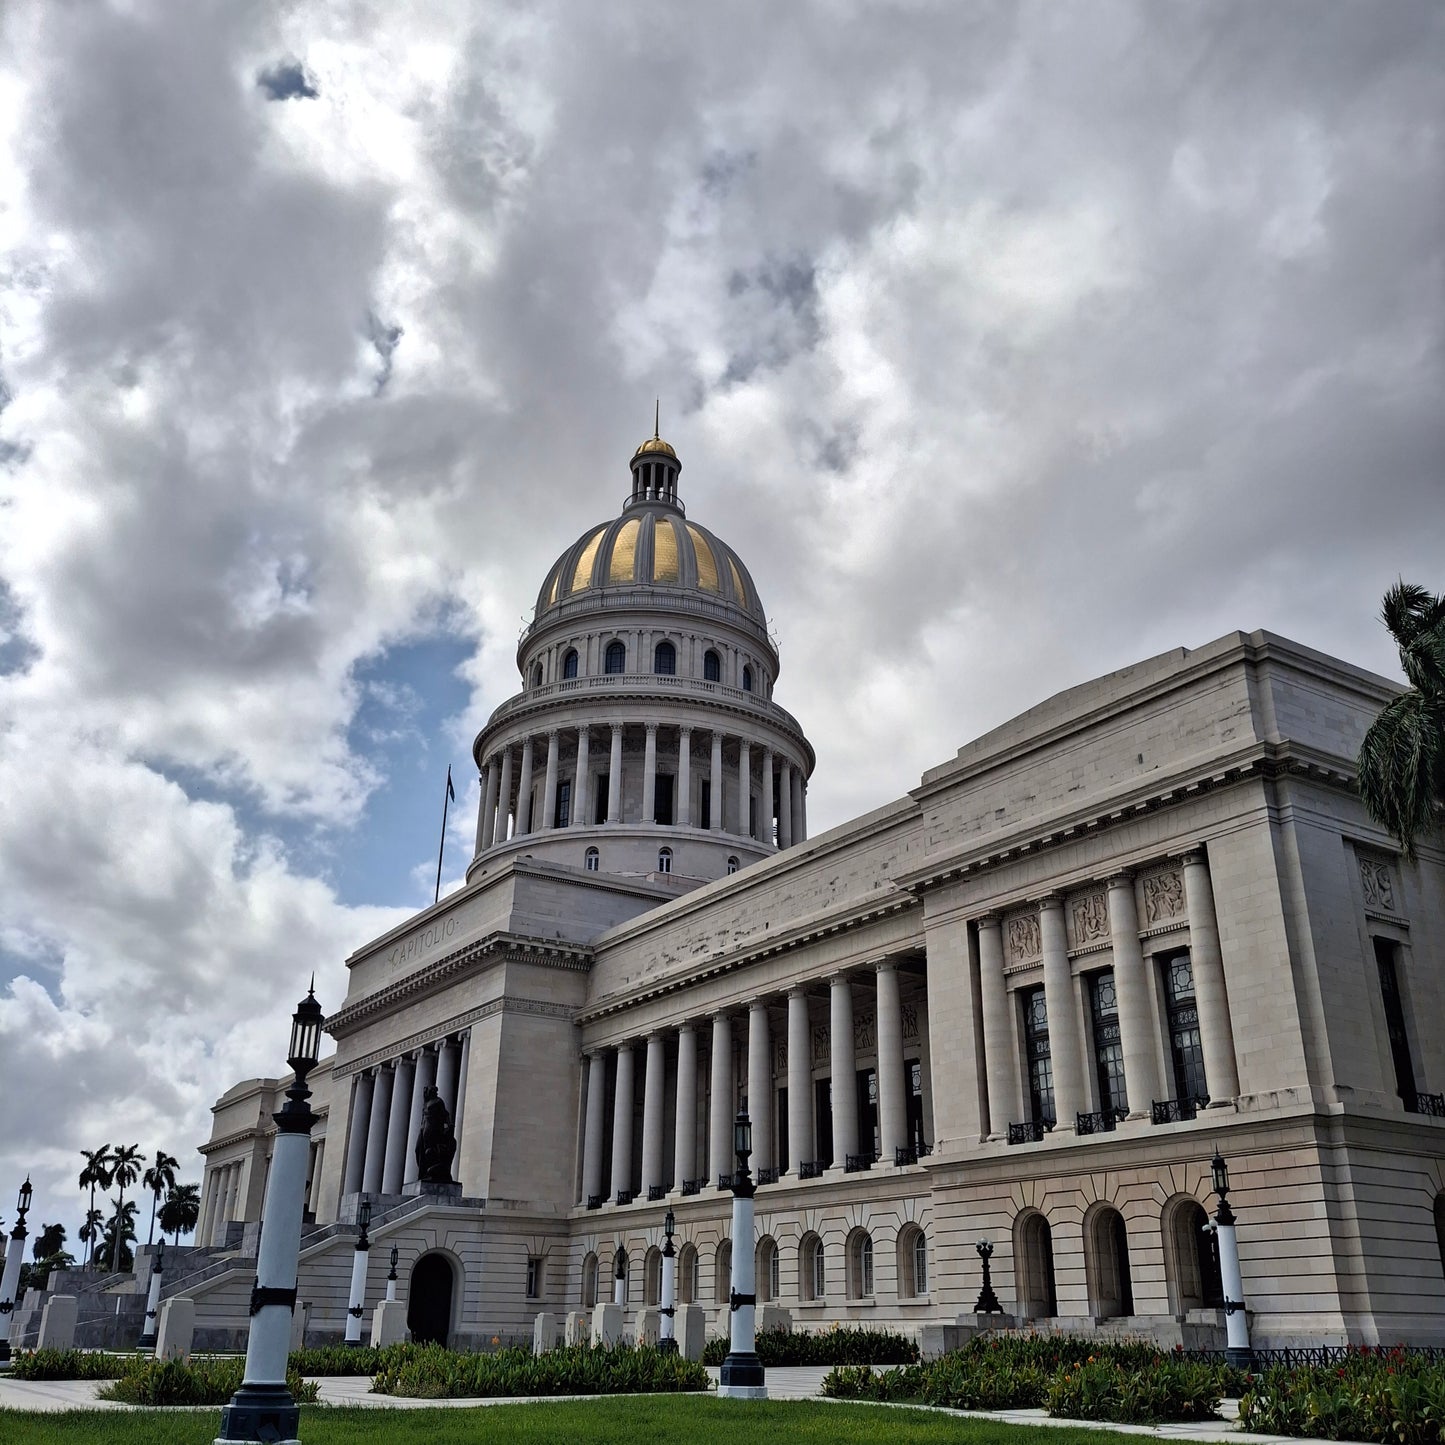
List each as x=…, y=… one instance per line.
x=261, y=1412
x=742, y=1378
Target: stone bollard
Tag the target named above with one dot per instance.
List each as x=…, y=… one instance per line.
x=57, y=1323
x=545, y=1333
x=176, y=1329
x=388, y=1323
x=300, y=1318
x=774, y=1317
x=579, y=1327
x=607, y=1325
x=691, y=1326
x=649, y=1326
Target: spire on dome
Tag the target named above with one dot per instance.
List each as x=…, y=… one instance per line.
x=655, y=468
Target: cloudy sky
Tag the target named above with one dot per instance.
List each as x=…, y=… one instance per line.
x=1008, y=343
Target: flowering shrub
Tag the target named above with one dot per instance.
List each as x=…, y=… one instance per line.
x=201, y=1382
x=1104, y=1389
x=838, y=1346
x=70, y=1365
x=431, y=1372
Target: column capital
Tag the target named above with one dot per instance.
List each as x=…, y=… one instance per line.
x=651, y=727
x=884, y=965
x=1050, y=900
x=759, y=1003
x=617, y=729
x=798, y=990
x=989, y=920
x=1194, y=855
x=687, y=1027
x=553, y=733
x=1120, y=878
x=840, y=977
x=684, y=730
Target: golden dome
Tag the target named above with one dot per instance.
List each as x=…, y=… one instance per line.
x=653, y=446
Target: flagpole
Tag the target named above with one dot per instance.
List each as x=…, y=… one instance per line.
x=446, y=798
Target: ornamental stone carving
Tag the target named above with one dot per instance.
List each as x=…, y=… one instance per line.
x=1163, y=896
x=780, y=1056
x=822, y=1050
x=865, y=1032
x=910, y=1021
x=1088, y=919
x=1023, y=940
x=1378, y=883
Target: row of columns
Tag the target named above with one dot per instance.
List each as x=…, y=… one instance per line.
x=386, y=1114
x=1132, y=988
x=892, y=1103
x=218, y=1208
x=496, y=823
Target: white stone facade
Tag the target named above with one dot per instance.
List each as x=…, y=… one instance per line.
x=1147, y=919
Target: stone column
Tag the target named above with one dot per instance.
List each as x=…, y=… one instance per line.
x=525, y=821
x=206, y=1225
x=720, y=1113
x=683, y=812
x=549, y=787
x=716, y=820
x=767, y=820
x=1065, y=1048
x=800, y=1081
x=504, y=799
x=1000, y=1055
x=376, y=1134
x=760, y=1085
x=596, y=1122
x=449, y=1062
x=652, y=1113
x=582, y=783
x=745, y=788
x=614, y=779
x=622, y=1123
x=892, y=1108
x=649, y=774
x=843, y=1069
x=489, y=805
x=393, y=1171
x=684, y=1143
x=362, y=1089
x=800, y=791
x=424, y=1078
x=1131, y=987
x=1216, y=1033
x=785, y=805
x=464, y=1053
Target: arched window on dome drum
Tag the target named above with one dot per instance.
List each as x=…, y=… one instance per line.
x=664, y=659
x=593, y=859
x=732, y=863
x=747, y=679
x=569, y=663
x=615, y=658
x=711, y=666
x=537, y=675
x=664, y=860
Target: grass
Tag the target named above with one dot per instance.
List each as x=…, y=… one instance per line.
x=582, y=1422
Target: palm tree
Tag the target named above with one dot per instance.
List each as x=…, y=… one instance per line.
x=1402, y=759
x=158, y=1178
x=120, y=1235
x=181, y=1211
x=90, y=1231
x=96, y=1172
x=50, y=1240
x=124, y=1169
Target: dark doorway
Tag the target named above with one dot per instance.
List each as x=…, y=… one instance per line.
x=429, y=1300
x=823, y=1126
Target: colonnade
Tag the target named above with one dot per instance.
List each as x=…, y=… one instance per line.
x=386, y=1113
x=657, y=1179
x=218, y=1208
x=784, y=792
x=1132, y=984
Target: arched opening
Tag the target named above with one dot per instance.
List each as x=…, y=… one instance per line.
x=429, y=1300
x=569, y=663
x=664, y=860
x=1106, y=1264
x=619, y=1276
x=687, y=1275
x=1440, y=1228
x=652, y=1276
x=723, y=1274
x=615, y=658
x=1034, y=1267
x=664, y=659
x=589, y=1281
x=537, y=675
x=860, y=1265
x=593, y=860
x=711, y=666
x=766, y=1269
x=912, y=1262
x=732, y=863
x=1191, y=1258
x=812, y=1274
x=747, y=679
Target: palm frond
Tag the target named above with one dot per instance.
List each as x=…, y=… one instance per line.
x=1400, y=764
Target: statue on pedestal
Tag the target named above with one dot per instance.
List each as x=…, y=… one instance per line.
x=436, y=1145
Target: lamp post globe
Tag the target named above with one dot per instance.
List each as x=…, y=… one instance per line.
x=262, y=1409
x=10, y=1276
x=741, y=1377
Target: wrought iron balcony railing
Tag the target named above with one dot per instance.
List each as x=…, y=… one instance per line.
x=810, y=1169
x=1178, y=1111
x=767, y=1176
x=1431, y=1104
x=656, y=1191
x=624, y=1196
x=594, y=1201
x=857, y=1163
x=1031, y=1131
x=692, y=1186
x=1102, y=1121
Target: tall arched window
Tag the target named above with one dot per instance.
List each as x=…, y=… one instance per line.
x=860, y=1265
x=1440, y=1227
x=652, y=1276
x=723, y=1273
x=765, y=1270
x=615, y=658
x=711, y=666
x=1034, y=1267
x=812, y=1275
x=589, y=1281
x=1191, y=1258
x=747, y=679
x=1106, y=1264
x=664, y=860
x=537, y=675
x=912, y=1262
x=593, y=860
x=687, y=1275
x=664, y=659
x=569, y=663
x=732, y=864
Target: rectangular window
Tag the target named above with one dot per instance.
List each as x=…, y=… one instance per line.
x=1036, y=1051
x=705, y=803
x=1186, y=1050
x=534, y=1276
x=781, y=1133
x=563, y=814
x=1108, y=1049
x=913, y=1074
x=662, y=800
x=604, y=786
x=1385, y=952
x=823, y=1126
x=867, y=1086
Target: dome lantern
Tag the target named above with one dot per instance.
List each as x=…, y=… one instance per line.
x=655, y=469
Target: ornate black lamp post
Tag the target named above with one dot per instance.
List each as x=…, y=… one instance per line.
x=742, y=1372
x=262, y=1409
x=391, y=1276
x=666, y=1335
x=987, y=1302
x=1236, y=1319
x=356, y=1304
x=10, y=1279
x=147, y=1339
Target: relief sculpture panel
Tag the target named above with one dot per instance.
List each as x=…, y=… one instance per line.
x=1378, y=883
x=1088, y=920
x=822, y=1050
x=865, y=1032
x=910, y=1021
x=1163, y=897
x=1023, y=940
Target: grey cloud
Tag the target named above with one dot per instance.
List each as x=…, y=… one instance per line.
x=287, y=80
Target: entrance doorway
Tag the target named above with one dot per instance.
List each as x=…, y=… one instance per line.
x=429, y=1300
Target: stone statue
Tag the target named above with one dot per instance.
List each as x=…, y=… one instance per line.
x=435, y=1144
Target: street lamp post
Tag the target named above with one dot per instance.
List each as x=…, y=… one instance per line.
x=357, y=1301
x=10, y=1279
x=391, y=1276
x=147, y=1339
x=666, y=1334
x=262, y=1409
x=1236, y=1318
x=742, y=1372
x=987, y=1301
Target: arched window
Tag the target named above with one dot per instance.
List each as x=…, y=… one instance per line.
x=664, y=860
x=1034, y=1267
x=1191, y=1258
x=812, y=1275
x=1440, y=1227
x=1106, y=1264
x=537, y=675
x=594, y=860
x=664, y=659
x=589, y=1281
x=687, y=1275
x=615, y=658
x=912, y=1262
x=747, y=679
x=732, y=864
x=722, y=1281
x=711, y=666
x=569, y=663
x=860, y=1265
x=766, y=1269
x=652, y=1276
x=619, y=1276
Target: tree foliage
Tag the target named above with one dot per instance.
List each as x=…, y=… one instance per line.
x=181, y=1211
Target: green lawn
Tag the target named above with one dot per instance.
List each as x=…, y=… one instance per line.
x=693, y=1420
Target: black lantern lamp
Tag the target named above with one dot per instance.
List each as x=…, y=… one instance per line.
x=743, y=1139
x=23, y=1204
x=669, y=1228
x=1219, y=1177
x=363, y=1218
x=391, y=1274
x=306, y=1025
